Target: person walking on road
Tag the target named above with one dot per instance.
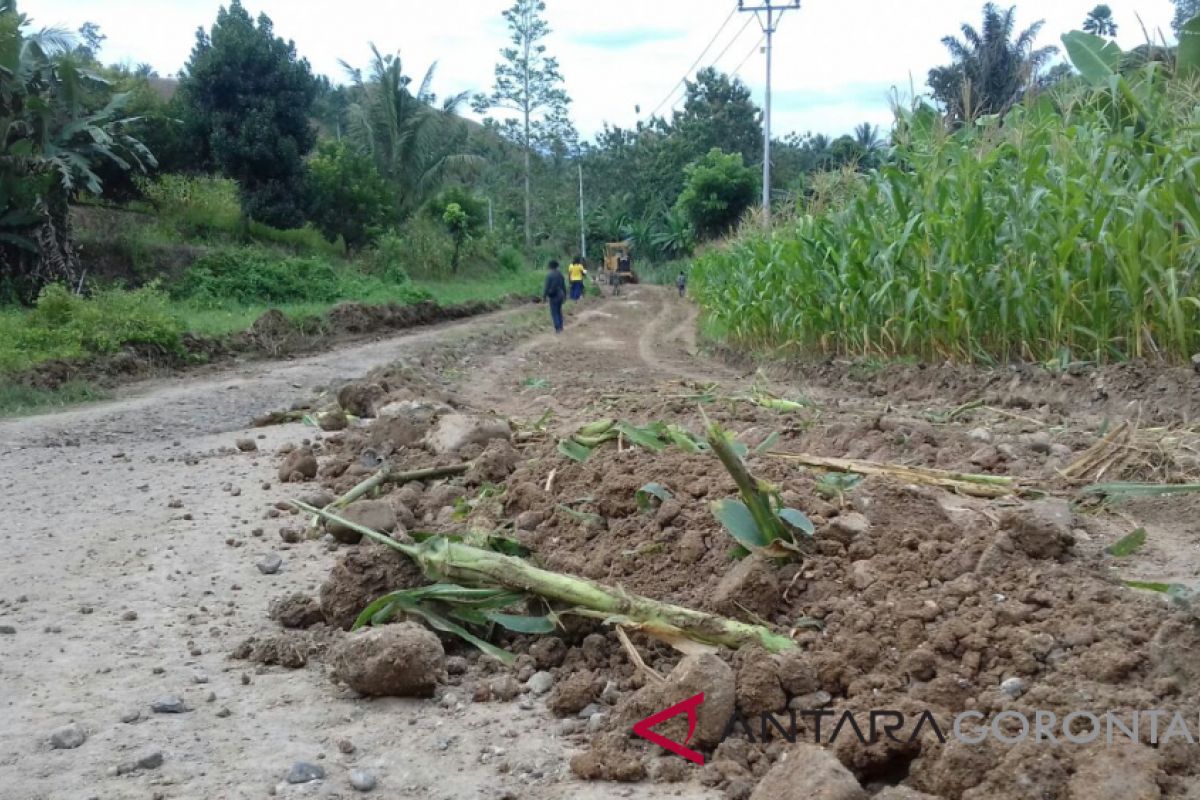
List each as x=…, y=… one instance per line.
x=555, y=292
x=681, y=283
x=576, y=272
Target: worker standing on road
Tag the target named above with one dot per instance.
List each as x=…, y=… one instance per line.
x=681, y=283
x=555, y=292
x=576, y=272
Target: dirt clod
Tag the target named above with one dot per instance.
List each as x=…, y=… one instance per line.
x=808, y=772
x=453, y=432
x=361, y=576
x=401, y=660
x=296, y=610
x=749, y=586
x=377, y=515
x=298, y=465
x=1040, y=530
x=574, y=694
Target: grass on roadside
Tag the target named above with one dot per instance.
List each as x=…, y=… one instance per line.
x=17, y=399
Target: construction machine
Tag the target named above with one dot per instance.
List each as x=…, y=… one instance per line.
x=618, y=264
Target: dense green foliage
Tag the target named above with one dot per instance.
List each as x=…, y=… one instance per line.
x=247, y=99
x=51, y=142
x=1067, y=232
x=63, y=325
x=717, y=190
x=350, y=199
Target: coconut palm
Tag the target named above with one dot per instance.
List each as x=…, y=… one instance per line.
x=992, y=67
x=1100, y=21
x=867, y=136
x=414, y=142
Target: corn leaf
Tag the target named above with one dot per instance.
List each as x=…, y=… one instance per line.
x=798, y=520
x=646, y=495
x=574, y=450
x=1127, y=545
x=1173, y=589
x=440, y=623
x=686, y=440
x=582, y=516
x=648, y=437
x=738, y=520
x=521, y=623
x=1119, y=491
x=767, y=443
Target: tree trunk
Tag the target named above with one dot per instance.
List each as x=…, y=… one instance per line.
x=528, y=237
x=527, y=103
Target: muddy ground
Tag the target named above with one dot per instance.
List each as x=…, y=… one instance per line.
x=136, y=527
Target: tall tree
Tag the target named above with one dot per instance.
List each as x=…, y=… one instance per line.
x=414, y=144
x=248, y=100
x=1100, y=21
x=1185, y=11
x=991, y=67
x=867, y=136
x=527, y=82
x=718, y=112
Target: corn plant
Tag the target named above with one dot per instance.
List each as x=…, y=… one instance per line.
x=1070, y=233
x=758, y=521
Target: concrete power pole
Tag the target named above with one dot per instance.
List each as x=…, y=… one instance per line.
x=582, y=227
x=768, y=15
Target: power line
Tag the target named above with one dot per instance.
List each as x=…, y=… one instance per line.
x=700, y=57
x=713, y=63
x=757, y=47
x=731, y=42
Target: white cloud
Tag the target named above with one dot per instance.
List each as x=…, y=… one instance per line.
x=834, y=59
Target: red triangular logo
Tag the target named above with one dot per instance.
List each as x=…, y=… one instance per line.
x=690, y=705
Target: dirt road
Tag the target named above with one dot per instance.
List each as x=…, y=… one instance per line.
x=133, y=529
x=131, y=534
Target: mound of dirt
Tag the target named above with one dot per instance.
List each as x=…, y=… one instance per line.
x=907, y=597
x=361, y=576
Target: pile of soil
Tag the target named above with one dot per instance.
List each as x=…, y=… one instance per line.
x=906, y=598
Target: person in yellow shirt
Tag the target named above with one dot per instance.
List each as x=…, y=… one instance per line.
x=576, y=272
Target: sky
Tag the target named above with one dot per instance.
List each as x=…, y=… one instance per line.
x=836, y=62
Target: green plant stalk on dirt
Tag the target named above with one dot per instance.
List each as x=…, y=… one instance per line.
x=757, y=522
x=444, y=560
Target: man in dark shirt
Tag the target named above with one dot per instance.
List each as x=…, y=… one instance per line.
x=555, y=292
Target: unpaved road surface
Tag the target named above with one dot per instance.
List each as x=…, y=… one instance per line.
x=132, y=530
x=131, y=534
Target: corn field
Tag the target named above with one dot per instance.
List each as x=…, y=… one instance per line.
x=1067, y=231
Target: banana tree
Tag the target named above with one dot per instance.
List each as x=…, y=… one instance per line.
x=49, y=146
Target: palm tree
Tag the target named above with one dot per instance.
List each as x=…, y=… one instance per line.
x=413, y=142
x=50, y=144
x=991, y=67
x=867, y=136
x=1100, y=21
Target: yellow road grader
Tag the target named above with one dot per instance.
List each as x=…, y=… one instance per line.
x=618, y=265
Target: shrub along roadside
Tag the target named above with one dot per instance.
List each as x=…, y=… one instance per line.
x=66, y=327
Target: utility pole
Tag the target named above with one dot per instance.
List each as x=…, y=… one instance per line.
x=491, y=224
x=768, y=15
x=582, y=227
